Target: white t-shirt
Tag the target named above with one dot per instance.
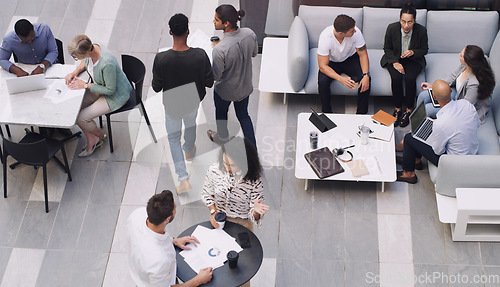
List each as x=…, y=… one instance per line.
x=339, y=52
x=151, y=256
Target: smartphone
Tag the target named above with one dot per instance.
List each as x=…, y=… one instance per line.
x=244, y=240
x=433, y=101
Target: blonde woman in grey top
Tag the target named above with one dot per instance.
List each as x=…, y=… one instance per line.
x=232, y=69
x=473, y=80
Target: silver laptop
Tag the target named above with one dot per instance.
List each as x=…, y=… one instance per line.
x=26, y=84
x=420, y=123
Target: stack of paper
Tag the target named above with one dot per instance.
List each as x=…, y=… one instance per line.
x=212, y=249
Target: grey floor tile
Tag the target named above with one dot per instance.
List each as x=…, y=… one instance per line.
x=155, y=10
x=54, y=24
x=20, y=181
x=67, y=226
x=328, y=238
x=361, y=240
x=4, y=260
x=8, y=8
x=329, y=195
x=147, y=38
x=431, y=275
x=360, y=197
x=192, y=216
x=327, y=273
x=492, y=276
x=422, y=195
x=462, y=253
x=293, y=272
x=11, y=216
x=98, y=228
x=37, y=225
x=490, y=253
x=124, y=136
x=55, y=269
x=83, y=173
x=428, y=240
x=123, y=33
x=79, y=10
x=109, y=183
x=361, y=274
x=273, y=180
x=29, y=7
x=129, y=9
x=293, y=196
x=87, y=269
x=54, y=8
x=469, y=276
x=295, y=234
x=268, y=233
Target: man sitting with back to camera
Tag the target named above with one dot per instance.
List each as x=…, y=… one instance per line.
x=342, y=49
x=453, y=132
x=32, y=44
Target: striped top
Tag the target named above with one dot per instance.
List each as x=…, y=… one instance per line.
x=235, y=197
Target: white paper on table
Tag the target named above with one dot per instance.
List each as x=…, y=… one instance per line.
x=372, y=165
x=58, y=71
x=212, y=249
x=59, y=92
x=380, y=131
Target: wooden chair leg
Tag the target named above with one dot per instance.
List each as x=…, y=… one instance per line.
x=45, y=193
x=110, y=134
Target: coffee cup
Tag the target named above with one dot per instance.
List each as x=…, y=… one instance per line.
x=220, y=217
x=232, y=258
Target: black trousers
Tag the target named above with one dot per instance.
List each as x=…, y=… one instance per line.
x=414, y=149
x=351, y=67
x=412, y=69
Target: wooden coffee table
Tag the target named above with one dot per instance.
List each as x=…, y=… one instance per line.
x=377, y=154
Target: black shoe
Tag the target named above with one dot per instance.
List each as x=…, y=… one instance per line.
x=405, y=119
x=397, y=115
x=65, y=132
x=411, y=180
x=418, y=166
x=214, y=137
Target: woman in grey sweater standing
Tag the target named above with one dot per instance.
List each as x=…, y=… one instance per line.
x=232, y=68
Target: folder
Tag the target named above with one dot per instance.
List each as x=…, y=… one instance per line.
x=383, y=118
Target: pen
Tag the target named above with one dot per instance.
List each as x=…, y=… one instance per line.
x=348, y=147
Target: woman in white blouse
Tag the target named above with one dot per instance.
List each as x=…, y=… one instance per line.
x=234, y=185
x=473, y=79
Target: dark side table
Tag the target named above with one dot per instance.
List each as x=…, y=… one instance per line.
x=249, y=260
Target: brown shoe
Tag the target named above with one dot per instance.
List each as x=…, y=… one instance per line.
x=189, y=155
x=183, y=187
x=405, y=119
x=397, y=115
x=411, y=180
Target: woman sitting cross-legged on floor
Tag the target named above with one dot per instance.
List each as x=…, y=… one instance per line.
x=234, y=185
x=108, y=87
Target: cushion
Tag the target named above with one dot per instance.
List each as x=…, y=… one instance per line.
x=376, y=21
x=495, y=65
x=488, y=138
x=440, y=65
x=317, y=19
x=451, y=31
x=298, y=55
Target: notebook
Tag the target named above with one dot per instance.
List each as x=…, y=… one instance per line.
x=420, y=123
x=26, y=84
x=323, y=163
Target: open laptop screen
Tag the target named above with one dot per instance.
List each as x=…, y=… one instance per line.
x=417, y=117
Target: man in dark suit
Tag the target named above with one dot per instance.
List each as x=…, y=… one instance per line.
x=404, y=48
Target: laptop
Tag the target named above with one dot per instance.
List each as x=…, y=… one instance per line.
x=420, y=123
x=26, y=84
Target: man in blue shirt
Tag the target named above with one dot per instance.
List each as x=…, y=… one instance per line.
x=32, y=44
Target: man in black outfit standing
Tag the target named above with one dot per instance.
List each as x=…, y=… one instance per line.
x=182, y=73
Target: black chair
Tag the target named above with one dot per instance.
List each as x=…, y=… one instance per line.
x=135, y=71
x=35, y=150
x=7, y=129
x=60, y=52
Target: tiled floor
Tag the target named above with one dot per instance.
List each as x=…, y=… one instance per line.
x=334, y=234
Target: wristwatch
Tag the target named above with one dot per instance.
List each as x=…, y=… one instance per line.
x=212, y=211
x=42, y=66
x=366, y=74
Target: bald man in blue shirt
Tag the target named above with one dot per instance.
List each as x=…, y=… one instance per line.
x=32, y=44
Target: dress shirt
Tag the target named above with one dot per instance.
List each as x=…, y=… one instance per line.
x=42, y=48
x=455, y=129
x=235, y=197
x=405, y=40
x=151, y=257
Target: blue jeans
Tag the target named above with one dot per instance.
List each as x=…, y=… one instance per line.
x=241, y=109
x=174, y=126
x=430, y=110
